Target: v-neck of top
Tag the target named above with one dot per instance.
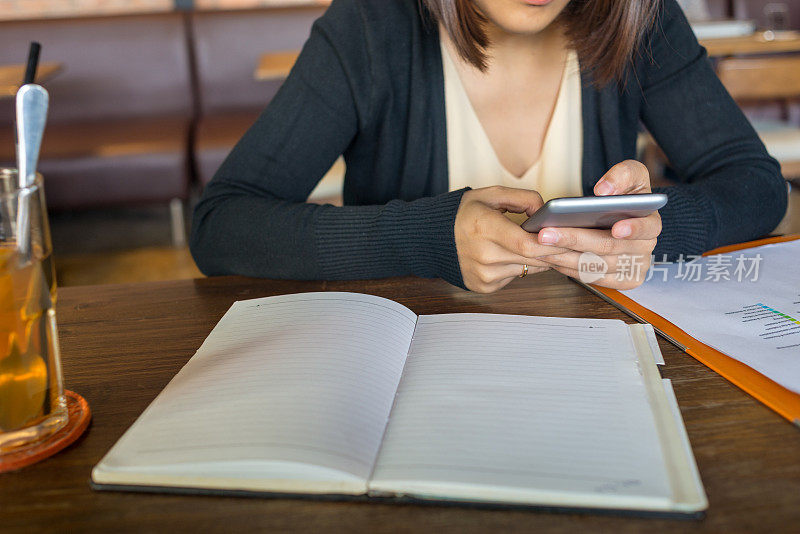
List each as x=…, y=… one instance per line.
x=473, y=161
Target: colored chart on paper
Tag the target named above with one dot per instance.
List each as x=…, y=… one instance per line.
x=776, y=324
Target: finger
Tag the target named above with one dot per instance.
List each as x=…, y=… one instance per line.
x=494, y=254
x=511, y=199
x=515, y=270
x=612, y=281
x=624, y=265
x=491, y=274
x=492, y=278
x=638, y=228
x=624, y=178
x=601, y=242
x=573, y=261
x=499, y=230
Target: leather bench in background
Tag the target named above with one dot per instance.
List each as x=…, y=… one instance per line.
x=140, y=160
x=146, y=104
x=120, y=110
x=227, y=48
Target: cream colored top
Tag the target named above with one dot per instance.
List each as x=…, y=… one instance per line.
x=473, y=162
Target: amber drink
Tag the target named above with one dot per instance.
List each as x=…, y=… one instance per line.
x=32, y=403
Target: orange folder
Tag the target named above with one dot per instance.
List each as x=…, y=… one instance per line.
x=775, y=396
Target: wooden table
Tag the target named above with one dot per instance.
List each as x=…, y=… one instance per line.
x=11, y=76
x=752, y=44
x=121, y=344
x=275, y=65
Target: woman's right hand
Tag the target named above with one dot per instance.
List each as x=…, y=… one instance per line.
x=491, y=249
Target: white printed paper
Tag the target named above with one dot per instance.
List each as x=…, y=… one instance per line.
x=745, y=304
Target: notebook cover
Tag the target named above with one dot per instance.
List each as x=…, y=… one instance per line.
x=482, y=505
x=775, y=396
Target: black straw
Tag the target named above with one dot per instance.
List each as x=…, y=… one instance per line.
x=33, y=62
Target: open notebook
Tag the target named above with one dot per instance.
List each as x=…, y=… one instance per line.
x=350, y=394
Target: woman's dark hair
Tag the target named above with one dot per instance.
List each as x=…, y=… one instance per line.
x=605, y=33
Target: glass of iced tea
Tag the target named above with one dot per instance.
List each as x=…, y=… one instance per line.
x=32, y=402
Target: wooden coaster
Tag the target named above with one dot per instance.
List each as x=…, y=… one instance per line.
x=79, y=417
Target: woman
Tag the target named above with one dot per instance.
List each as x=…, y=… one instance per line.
x=427, y=99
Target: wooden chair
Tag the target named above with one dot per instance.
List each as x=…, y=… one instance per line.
x=753, y=79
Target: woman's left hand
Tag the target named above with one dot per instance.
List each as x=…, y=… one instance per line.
x=626, y=249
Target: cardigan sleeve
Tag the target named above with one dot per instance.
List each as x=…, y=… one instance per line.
x=731, y=190
x=252, y=218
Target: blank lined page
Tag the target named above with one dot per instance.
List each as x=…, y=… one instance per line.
x=527, y=409
x=306, y=378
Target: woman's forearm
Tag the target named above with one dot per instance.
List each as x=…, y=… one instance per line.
x=235, y=232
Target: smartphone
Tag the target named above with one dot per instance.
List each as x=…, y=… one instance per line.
x=593, y=212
